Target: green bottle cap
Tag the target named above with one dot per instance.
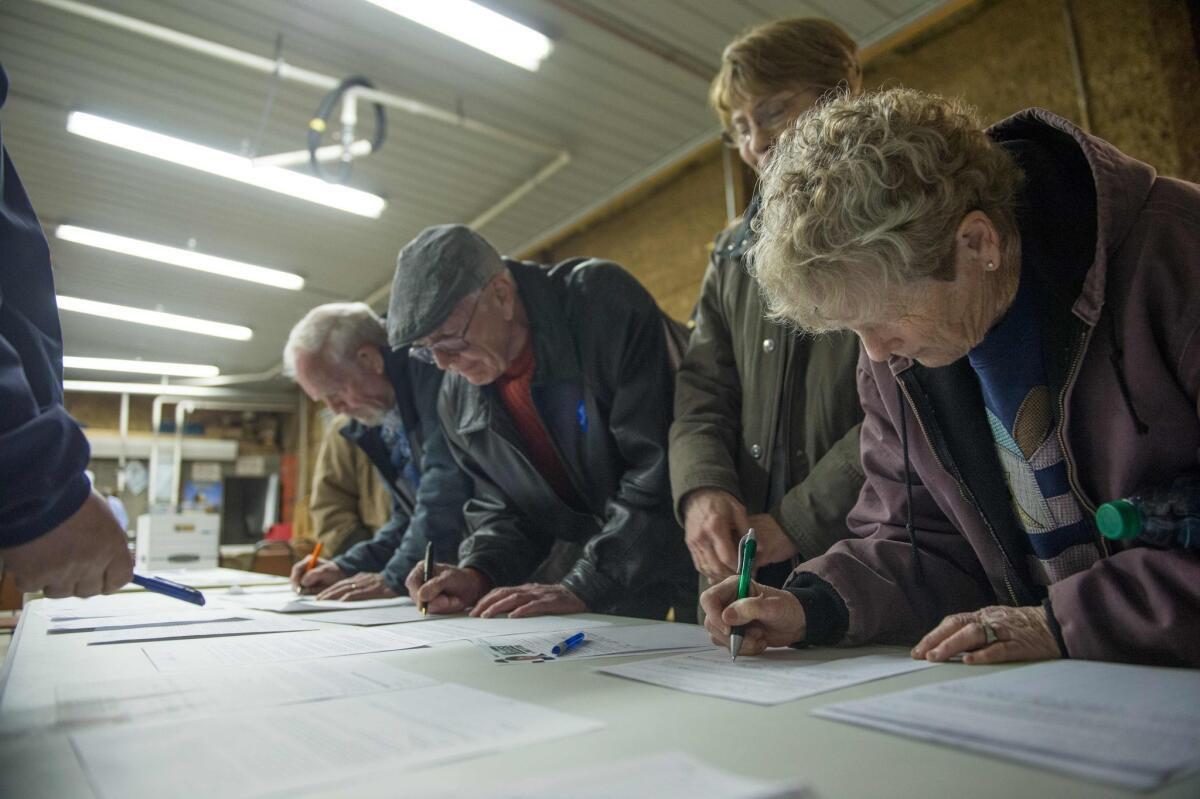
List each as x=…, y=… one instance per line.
x=1119, y=520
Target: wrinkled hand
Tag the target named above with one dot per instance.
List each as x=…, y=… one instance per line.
x=774, y=546
x=772, y=617
x=317, y=579
x=531, y=599
x=364, y=585
x=450, y=590
x=1021, y=634
x=84, y=556
x=713, y=521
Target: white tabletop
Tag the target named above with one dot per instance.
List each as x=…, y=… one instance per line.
x=779, y=742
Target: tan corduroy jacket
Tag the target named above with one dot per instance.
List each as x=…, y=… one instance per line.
x=349, y=499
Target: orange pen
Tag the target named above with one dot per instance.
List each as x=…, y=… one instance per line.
x=312, y=559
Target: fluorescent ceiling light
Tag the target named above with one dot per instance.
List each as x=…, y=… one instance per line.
x=223, y=164
x=153, y=389
x=176, y=256
x=141, y=316
x=479, y=27
x=140, y=367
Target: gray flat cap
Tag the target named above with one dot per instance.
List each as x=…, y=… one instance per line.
x=434, y=271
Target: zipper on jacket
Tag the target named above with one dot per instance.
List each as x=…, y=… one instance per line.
x=965, y=493
x=1072, y=478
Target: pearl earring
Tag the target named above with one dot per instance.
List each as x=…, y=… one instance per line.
x=991, y=266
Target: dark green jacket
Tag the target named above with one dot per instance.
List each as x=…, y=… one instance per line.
x=745, y=377
x=603, y=386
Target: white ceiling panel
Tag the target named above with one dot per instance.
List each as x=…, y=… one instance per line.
x=624, y=89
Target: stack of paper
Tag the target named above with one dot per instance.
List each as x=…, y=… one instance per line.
x=633, y=640
x=274, y=750
x=1132, y=726
x=768, y=679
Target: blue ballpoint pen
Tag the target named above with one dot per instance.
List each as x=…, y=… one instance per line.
x=167, y=588
x=566, y=646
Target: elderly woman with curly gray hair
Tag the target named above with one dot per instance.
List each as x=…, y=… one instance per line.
x=1028, y=303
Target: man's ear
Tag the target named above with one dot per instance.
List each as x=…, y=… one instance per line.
x=506, y=294
x=368, y=357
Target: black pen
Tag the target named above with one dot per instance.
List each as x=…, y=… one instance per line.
x=428, y=573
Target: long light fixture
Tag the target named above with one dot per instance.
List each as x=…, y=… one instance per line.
x=223, y=164
x=176, y=256
x=477, y=26
x=152, y=389
x=140, y=367
x=141, y=316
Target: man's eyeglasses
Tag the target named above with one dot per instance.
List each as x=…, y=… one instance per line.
x=447, y=345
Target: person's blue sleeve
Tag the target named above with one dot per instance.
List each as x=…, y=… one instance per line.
x=43, y=453
x=374, y=554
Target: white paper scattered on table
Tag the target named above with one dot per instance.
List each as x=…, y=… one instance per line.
x=241, y=651
x=767, y=679
x=214, y=578
x=217, y=691
x=622, y=640
x=1132, y=726
x=132, y=621
x=282, y=599
x=463, y=628
x=663, y=775
x=212, y=629
x=274, y=750
x=98, y=607
x=369, y=617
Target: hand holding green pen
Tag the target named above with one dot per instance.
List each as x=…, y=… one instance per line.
x=746, y=550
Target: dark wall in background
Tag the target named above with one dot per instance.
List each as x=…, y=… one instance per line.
x=1140, y=80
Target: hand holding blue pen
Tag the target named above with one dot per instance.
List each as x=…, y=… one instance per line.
x=568, y=644
x=167, y=588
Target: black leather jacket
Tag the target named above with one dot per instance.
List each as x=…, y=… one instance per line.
x=603, y=385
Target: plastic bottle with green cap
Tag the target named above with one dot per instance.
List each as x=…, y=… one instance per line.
x=1165, y=517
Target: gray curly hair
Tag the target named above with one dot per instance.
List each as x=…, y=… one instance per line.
x=337, y=329
x=861, y=200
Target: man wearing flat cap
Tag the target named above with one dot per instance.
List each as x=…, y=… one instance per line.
x=557, y=401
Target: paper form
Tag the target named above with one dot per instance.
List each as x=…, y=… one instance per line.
x=270, y=751
x=1132, y=726
x=132, y=621
x=218, y=577
x=282, y=599
x=242, y=651
x=217, y=691
x=465, y=627
x=368, y=617
x=211, y=629
x=536, y=647
x=767, y=679
x=104, y=606
x=664, y=775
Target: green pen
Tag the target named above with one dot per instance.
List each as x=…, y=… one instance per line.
x=746, y=549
